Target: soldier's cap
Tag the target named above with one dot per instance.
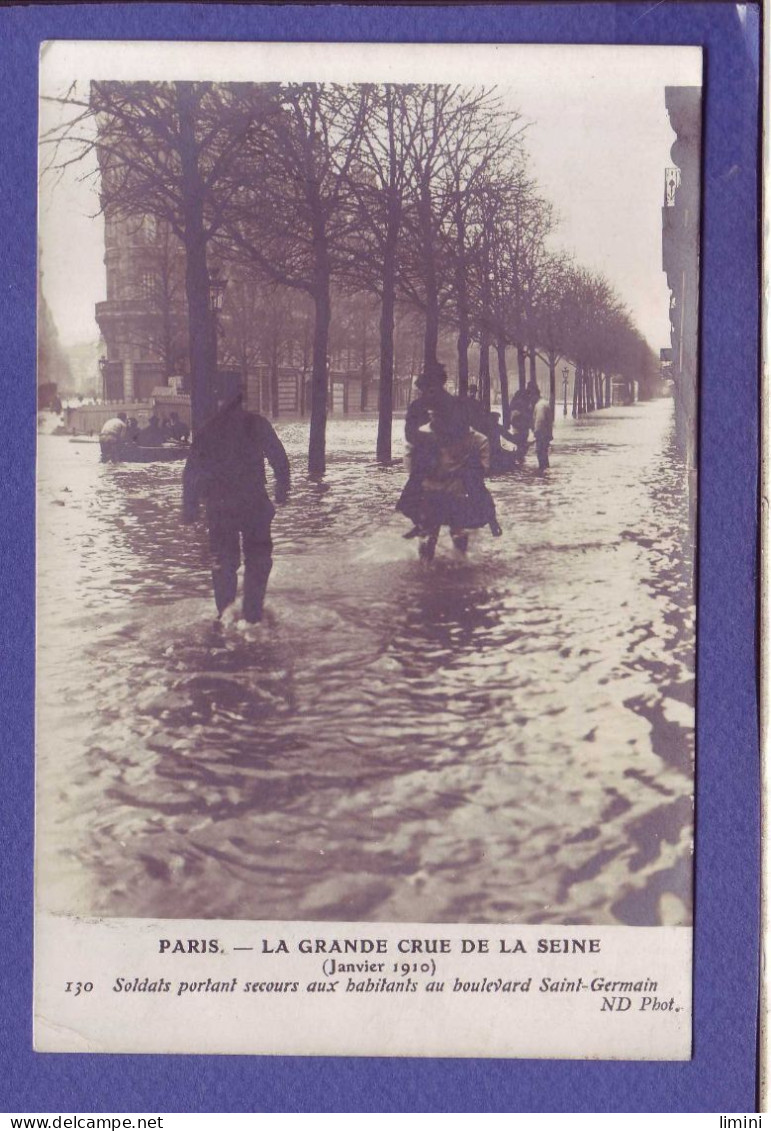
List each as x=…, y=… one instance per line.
x=435, y=374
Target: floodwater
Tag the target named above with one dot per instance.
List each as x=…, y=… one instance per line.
x=506, y=738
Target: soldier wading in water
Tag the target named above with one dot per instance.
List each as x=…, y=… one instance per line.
x=226, y=470
x=447, y=461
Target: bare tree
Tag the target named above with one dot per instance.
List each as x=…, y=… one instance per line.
x=165, y=149
x=289, y=212
x=243, y=309
x=427, y=207
x=513, y=222
x=479, y=139
x=160, y=289
x=379, y=182
x=550, y=315
x=596, y=325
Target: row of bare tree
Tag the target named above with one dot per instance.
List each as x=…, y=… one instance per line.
x=416, y=195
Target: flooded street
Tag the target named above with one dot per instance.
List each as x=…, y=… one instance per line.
x=506, y=738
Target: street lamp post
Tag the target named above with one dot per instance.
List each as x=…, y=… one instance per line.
x=217, y=284
x=103, y=376
x=565, y=373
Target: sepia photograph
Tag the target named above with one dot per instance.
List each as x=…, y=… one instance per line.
x=367, y=405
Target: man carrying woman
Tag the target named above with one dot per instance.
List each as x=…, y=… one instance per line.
x=448, y=460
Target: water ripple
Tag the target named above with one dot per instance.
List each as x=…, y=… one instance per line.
x=507, y=737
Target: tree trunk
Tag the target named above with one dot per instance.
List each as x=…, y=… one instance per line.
x=431, y=337
x=386, y=395
x=461, y=291
x=203, y=402
x=319, y=383
x=364, y=368
x=306, y=357
x=463, y=344
x=167, y=331
x=484, y=365
x=274, y=378
x=521, y=373
x=533, y=371
x=244, y=365
x=503, y=380
x=576, y=390
x=202, y=344
x=552, y=382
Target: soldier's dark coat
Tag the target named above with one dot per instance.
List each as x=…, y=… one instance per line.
x=226, y=471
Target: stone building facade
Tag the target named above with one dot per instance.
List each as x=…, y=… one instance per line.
x=680, y=255
x=143, y=324
x=140, y=306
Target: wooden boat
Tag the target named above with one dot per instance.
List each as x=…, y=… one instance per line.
x=142, y=453
x=161, y=453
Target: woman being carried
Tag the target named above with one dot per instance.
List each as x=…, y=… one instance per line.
x=446, y=486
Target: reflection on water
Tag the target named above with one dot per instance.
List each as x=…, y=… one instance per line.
x=503, y=738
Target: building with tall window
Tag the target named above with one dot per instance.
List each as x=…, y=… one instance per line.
x=264, y=339
x=142, y=319
x=680, y=254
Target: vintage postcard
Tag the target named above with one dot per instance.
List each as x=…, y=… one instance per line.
x=366, y=539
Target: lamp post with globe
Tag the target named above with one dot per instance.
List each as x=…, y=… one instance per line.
x=103, y=376
x=217, y=284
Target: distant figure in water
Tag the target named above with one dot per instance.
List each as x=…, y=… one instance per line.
x=533, y=392
x=520, y=419
x=501, y=459
x=226, y=470
x=152, y=436
x=178, y=429
x=112, y=437
x=478, y=416
x=447, y=461
x=489, y=425
x=543, y=430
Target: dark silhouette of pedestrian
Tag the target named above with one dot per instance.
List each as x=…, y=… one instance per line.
x=151, y=436
x=433, y=398
x=501, y=459
x=520, y=419
x=226, y=471
x=179, y=430
x=477, y=414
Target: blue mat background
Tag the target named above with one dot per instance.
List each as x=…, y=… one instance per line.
x=721, y=1077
